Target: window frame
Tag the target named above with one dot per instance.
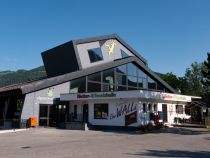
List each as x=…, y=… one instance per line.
x=101, y=118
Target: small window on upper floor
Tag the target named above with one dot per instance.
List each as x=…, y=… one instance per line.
x=95, y=55
x=124, y=54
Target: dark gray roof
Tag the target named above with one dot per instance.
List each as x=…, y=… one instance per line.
x=111, y=36
x=35, y=86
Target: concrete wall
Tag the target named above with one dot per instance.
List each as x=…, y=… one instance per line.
x=84, y=57
x=45, y=96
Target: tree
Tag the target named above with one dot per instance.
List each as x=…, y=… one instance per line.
x=192, y=80
x=206, y=72
x=172, y=80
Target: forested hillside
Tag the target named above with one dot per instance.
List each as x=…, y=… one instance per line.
x=13, y=77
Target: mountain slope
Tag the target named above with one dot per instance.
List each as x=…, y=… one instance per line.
x=13, y=77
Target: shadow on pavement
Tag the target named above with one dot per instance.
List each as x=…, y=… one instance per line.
x=183, y=131
x=173, y=153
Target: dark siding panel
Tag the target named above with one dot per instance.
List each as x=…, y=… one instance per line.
x=60, y=60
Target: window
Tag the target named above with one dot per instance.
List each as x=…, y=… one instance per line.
x=108, y=76
x=100, y=111
x=160, y=87
x=155, y=108
x=95, y=77
x=132, y=81
x=150, y=107
x=124, y=54
x=151, y=83
x=140, y=83
x=121, y=88
x=78, y=85
x=121, y=79
x=179, y=109
x=94, y=87
x=132, y=69
x=108, y=87
x=75, y=112
x=141, y=73
x=144, y=107
x=95, y=55
x=121, y=69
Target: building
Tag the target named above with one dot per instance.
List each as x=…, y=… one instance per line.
x=101, y=80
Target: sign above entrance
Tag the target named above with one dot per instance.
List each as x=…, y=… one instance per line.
x=96, y=95
x=139, y=94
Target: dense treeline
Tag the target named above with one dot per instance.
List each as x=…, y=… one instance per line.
x=13, y=77
x=196, y=80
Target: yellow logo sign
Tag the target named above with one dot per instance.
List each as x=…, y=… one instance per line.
x=111, y=47
x=50, y=93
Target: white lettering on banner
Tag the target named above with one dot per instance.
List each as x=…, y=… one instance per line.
x=123, y=109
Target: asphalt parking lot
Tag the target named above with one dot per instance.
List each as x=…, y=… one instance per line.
x=55, y=143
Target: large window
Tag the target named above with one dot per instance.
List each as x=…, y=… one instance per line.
x=95, y=55
x=121, y=78
x=179, y=109
x=132, y=69
x=101, y=111
x=108, y=76
x=78, y=85
x=151, y=84
x=95, y=77
x=121, y=69
x=94, y=87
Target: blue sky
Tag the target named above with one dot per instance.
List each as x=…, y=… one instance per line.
x=170, y=34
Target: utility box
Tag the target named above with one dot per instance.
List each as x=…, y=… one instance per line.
x=32, y=122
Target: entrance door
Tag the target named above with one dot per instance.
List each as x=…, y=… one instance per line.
x=165, y=114
x=44, y=115
x=85, y=113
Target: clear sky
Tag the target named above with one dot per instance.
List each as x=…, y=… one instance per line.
x=170, y=34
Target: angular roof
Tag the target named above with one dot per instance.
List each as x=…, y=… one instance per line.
x=107, y=37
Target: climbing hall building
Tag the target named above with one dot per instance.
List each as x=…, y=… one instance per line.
x=100, y=81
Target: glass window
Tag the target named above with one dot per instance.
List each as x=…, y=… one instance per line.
x=132, y=81
x=140, y=83
x=108, y=87
x=145, y=84
x=121, y=88
x=179, y=109
x=159, y=87
x=94, y=87
x=108, y=76
x=150, y=107
x=121, y=69
x=124, y=54
x=132, y=88
x=75, y=112
x=151, y=83
x=95, y=55
x=121, y=79
x=132, y=69
x=100, y=111
x=141, y=73
x=144, y=107
x=95, y=77
x=78, y=85
x=155, y=108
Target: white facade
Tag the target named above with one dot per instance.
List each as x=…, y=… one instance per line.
x=140, y=104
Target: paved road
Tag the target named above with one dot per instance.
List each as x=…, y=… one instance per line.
x=54, y=143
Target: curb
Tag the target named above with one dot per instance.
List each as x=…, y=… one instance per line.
x=13, y=130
